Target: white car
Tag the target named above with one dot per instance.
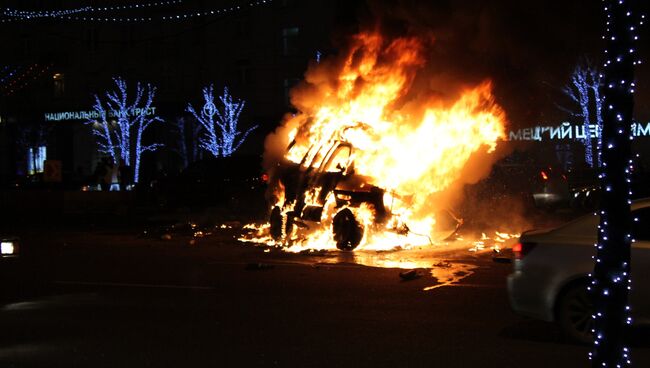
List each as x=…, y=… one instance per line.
x=552, y=267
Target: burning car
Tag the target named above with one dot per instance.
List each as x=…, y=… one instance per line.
x=326, y=173
x=324, y=189
x=366, y=162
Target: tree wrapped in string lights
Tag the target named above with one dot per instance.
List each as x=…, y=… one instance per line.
x=584, y=90
x=187, y=140
x=221, y=136
x=611, y=278
x=122, y=123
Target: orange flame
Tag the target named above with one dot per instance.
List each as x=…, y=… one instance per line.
x=411, y=145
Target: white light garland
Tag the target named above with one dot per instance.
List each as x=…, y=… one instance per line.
x=29, y=14
x=606, y=352
x=82, y=14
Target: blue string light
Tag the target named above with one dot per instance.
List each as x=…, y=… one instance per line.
x=114, y=136
x=220, y=125
x=87, y=14
x=28, y=14
x=583, y=80
x=15, y=82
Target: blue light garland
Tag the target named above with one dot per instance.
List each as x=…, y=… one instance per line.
x=188, y=152
x=583, y=80
x=114, y=137
x=12, y=15
x=220, y=125
x=15, y=83
x=28, y=14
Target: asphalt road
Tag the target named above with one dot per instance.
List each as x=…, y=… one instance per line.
x=111, y=300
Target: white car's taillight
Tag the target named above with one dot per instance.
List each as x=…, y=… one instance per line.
x=521, y=249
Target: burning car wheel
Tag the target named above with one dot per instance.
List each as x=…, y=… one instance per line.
x=276, y=223
x=348, y=232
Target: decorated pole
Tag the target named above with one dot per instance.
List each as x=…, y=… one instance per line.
x=611, y=278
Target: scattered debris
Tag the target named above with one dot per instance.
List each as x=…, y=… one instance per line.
x=410, y=275
x=230, y=225
x=181, y=229
x=444, y=264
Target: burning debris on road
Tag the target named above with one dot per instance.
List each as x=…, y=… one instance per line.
x=368, y=161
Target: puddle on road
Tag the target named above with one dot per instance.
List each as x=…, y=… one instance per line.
x=446, y=273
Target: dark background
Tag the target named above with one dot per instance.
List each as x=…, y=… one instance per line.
x=528, y=49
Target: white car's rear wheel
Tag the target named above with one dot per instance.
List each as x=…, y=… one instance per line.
x=574, y=313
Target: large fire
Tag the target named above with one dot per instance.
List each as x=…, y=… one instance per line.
x=363, y=139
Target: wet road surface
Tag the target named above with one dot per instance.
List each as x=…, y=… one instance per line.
x=111, y=300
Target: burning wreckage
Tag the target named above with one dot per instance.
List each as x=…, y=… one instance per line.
x=365, y=160
x=324, y=191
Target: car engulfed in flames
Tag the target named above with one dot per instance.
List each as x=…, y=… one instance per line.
x=367, y=160
x=323, y=190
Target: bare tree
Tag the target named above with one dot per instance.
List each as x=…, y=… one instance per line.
x=187, y=142
x=221, y=136
x=584, y=91
x=30, y=140
x=120, y=124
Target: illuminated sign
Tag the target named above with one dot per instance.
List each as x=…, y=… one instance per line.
x=90, y=115
x=568, y=131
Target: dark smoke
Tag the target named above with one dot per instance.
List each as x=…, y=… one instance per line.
x=528, y=48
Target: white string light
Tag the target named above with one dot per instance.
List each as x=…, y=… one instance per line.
x=28, y=14
x=82, y=16
x=608, y=276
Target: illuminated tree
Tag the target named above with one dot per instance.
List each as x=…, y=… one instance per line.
x=187, y=140
x=611, y=278
x=220, y=135
x=584, y=90
x=31, y=143
x=121, y=124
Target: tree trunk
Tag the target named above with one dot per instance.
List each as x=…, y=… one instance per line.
x=612, y=267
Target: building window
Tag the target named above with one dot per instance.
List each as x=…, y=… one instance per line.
x=36, y=157
x=59, y=84
x=290, y=40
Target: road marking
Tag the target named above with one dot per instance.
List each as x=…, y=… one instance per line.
x=119, y=284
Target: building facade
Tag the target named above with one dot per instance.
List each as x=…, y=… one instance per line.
x=54, y=65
